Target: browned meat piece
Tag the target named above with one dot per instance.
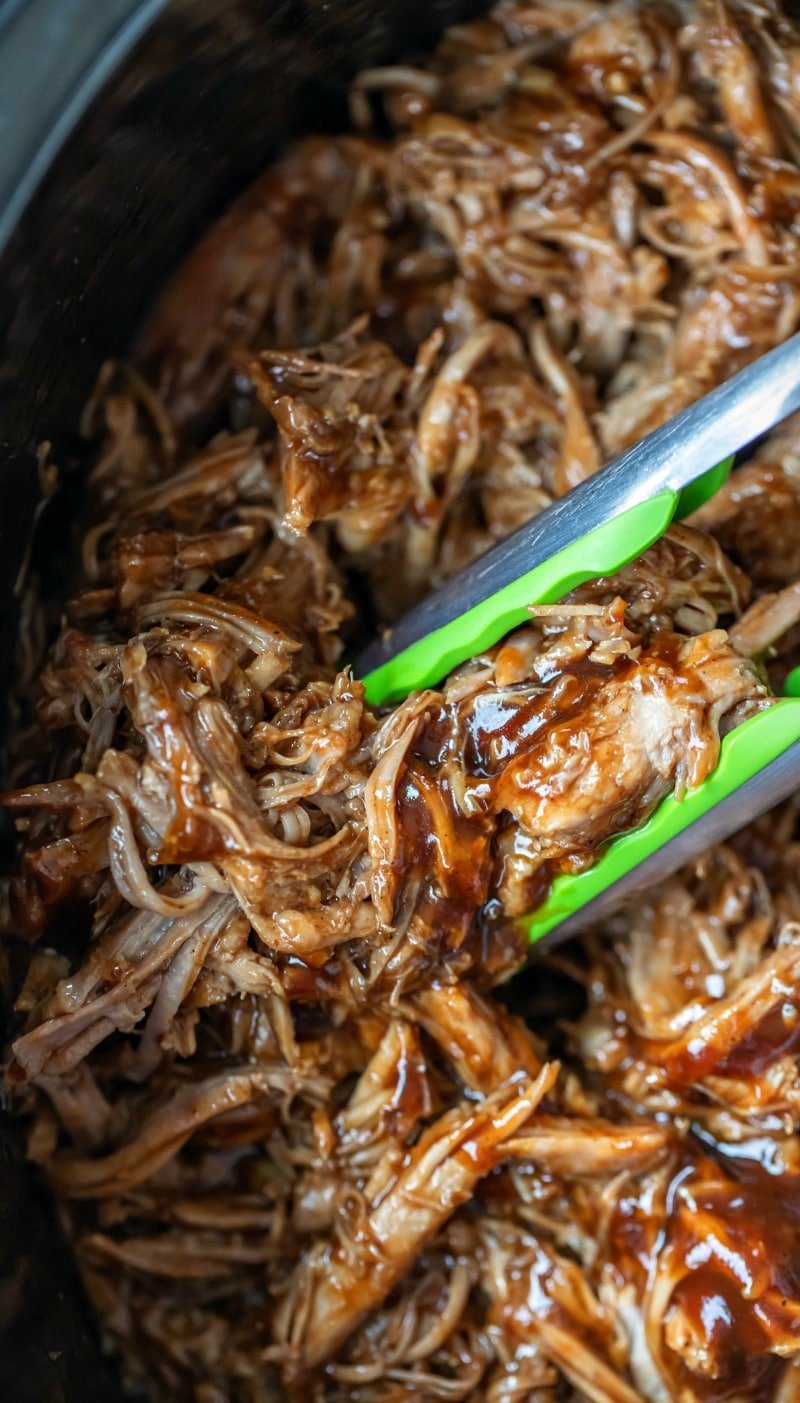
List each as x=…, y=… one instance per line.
x=333, y=1288
x=168, y=1128
x=482, y=1041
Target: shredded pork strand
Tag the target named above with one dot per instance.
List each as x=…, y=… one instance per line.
x=313, y=1132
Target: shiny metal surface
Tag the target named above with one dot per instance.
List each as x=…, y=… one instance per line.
x=722, y=422
x=772, y=784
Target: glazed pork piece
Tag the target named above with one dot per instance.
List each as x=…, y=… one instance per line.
x=312, y=1130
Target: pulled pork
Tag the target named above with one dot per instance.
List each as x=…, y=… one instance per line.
x=303, y=1145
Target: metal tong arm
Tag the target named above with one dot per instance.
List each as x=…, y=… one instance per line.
x=721, y=423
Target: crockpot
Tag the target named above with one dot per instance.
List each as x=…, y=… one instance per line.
x=125, y=127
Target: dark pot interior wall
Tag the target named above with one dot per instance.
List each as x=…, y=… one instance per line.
x=204, y=101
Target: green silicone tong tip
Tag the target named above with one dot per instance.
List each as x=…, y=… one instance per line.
x=743, y=752
x=601, y=552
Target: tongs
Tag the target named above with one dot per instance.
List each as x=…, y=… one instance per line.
x=592, y=532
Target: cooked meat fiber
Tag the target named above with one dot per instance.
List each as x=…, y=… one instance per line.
x=302, y=1143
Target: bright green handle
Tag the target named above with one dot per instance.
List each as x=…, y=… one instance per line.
x=600, y=552
x=743, y=753
x=697, y=493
